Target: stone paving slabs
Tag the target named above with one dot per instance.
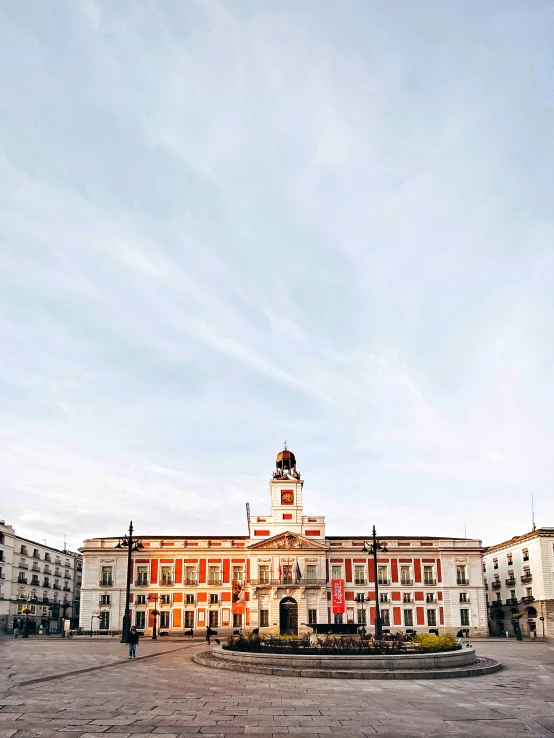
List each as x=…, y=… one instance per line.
x=164, y=693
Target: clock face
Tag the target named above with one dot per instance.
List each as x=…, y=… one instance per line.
x=287, y=497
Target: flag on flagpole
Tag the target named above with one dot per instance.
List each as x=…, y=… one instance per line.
x=280, y=571
x=298, y=572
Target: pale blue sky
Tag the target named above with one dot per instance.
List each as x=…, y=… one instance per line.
x=227, y=224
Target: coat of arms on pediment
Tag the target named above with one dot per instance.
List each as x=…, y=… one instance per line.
x=288, y=541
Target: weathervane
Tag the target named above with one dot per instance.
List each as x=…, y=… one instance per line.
x=285, y=444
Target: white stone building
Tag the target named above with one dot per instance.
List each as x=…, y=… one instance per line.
x=44, y=579
x=278, y=577
x=519, y=578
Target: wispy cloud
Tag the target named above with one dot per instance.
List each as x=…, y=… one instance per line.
x=221, y=228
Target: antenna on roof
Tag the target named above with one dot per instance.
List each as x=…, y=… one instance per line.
x=286, y=448
x=248, y=516
x=533, y=512
x=64, y=543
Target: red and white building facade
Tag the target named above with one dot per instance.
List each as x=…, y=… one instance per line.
x=279, y=577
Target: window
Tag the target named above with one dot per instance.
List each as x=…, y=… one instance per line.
x=213, y=618
x=311, y=572
x=24, y=550
x=336, y=571
x=106, y=578
x=484, y=568
x=359, y=574
x=214, y=599
x=164, y=619
x=190, y=575
x=312, y=617
x=142, y=575
x=36, y=554
x=362, y=616
x=238, y=573
x=428, y=575
x=214, y=575
x=430, y=597
x=47, y=557
x=463, y=597
x=141, y=599
x=405, y=575
x=383, y=597
x=464, y=616
x=385, y=617
x=406, y=597
x=189, y=619
x=431, y=617
x=461, y=574
x=528, y=591
x=510, y=559
x=140, y=619
x=525, y=553
x=408, y=617
x=512, y=595
x=263, y=573
x=264, y=618
x=382, y=575
x=105, y=599
x=165, y=599
x=495, y=563
x=105, y=620
x=337, y=616
x=189, y=599
x=166, y=579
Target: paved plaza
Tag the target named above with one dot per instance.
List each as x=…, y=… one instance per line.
x=164, y=693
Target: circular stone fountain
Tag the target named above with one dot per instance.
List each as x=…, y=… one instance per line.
x=444, y=665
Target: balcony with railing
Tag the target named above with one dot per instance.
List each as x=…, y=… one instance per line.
x=21, y=580
x=106, y=582
x=22, y=565
x=527, y=599
x=383, y=582
x=406, y=582
x=496, y=603
x=511, y=601
x=67, y=576
x=527, y=578
x=190, y=581
x=430, y=598
x=462, y=581
x=510, y=582
x=288, y=582
x=166, y=582
x=464, y=598
x=35, y=581
x=407, y=598
x=56, y=586
x=46, y=584
x=360, y=582
x=496, y=585
x=215, y=582
x=428, y=582
x=141, y=581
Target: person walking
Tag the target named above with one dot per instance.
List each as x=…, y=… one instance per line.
x=132, y=640
x=208, y=634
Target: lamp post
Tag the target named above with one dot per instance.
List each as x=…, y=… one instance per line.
x=131, y=544
x=94, y=615
x=154, y=598
x=371, y=548
x=362, y=599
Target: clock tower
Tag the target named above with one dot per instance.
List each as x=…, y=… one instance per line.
x=285, y=489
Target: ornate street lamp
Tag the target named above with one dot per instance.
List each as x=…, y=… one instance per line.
x=155, y=612
x=131, y=544
x=371, y=548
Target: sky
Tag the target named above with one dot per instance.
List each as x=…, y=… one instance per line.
x=227, y=224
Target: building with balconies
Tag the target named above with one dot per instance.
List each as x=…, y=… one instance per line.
x=521, y=574
x=25, y=582
x=279, y=576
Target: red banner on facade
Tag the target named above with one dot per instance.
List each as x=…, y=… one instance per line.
x=337, y=594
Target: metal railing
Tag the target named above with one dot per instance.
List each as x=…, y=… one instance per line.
x=407, y=582
x=360, y=582
x=527, y=599
x=462, y=582
x=166, y=582
x=496, y=585
x=527, y=578
x=288, y=581
x=191, y=582
x=511, y=601
x=141, y=582
x=383, y=582
x=430, y=582
x=106, y=582
x=510, y=581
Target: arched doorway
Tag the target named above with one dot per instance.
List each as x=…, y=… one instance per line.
x=288, y=616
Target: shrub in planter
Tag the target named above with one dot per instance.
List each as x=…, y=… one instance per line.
x=427, y=643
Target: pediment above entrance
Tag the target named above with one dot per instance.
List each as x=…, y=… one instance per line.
x=288, y=541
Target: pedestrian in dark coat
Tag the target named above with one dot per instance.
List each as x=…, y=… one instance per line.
x=132, y=640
